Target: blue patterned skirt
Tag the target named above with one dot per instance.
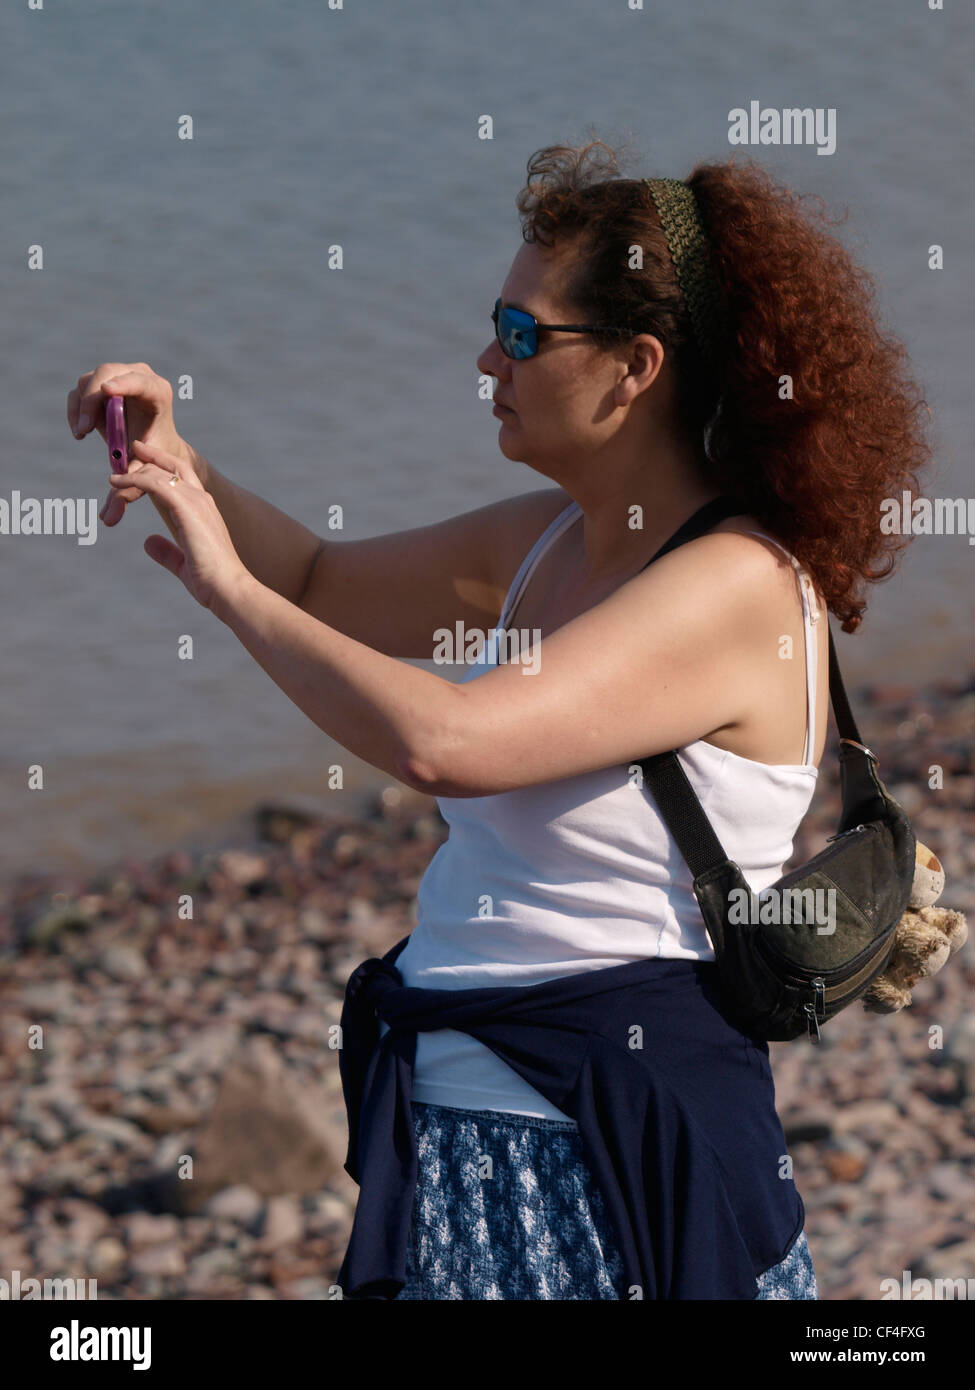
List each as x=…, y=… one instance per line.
x=506, y=1208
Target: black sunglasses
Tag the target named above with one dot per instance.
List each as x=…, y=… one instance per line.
x=517, y=332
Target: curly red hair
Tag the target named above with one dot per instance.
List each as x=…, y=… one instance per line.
x=813, y=468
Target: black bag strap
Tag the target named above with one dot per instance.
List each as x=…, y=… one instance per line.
x=702, y=520
x=663, y=774
x=837, y=694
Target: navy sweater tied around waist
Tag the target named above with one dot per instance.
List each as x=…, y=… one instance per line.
x=675, y=1108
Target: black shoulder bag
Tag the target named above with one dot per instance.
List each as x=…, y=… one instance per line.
x=785, y=964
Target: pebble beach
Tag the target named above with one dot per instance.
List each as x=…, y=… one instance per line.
x=171, y=1114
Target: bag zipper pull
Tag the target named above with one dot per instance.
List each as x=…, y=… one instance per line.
x=841, y=833
x=818, y=985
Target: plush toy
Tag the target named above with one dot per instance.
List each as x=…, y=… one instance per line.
x=924, y=939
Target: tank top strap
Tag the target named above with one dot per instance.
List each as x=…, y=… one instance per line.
x=810, y=616
x=527, y=567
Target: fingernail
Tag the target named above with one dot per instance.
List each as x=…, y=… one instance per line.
x=83, y=423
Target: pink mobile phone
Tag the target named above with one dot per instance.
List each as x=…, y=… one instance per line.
x=118, y=456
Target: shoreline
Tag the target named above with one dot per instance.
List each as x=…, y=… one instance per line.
x=911, y=727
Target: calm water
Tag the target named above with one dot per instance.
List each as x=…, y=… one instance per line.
x=208, y=258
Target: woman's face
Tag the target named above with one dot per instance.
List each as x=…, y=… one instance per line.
x=560, y=405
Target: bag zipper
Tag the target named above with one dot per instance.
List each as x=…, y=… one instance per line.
x=839, y=835
x=818, y=987
x=827, y=982
x=837, y=976
x=849, y=974
x=824, y=854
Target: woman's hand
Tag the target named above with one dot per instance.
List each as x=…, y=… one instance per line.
x=205, y=559
x=148, y=417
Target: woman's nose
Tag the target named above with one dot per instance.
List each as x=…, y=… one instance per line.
x=491, y=359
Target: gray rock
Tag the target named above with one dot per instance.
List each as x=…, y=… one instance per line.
x=121, y=961
x=267, y=1131
x=206, y=1051
x=837, y=1248
x=311, y=1288
x=283, y=1224
x=333, y=1210
x=242, y=867
x=882, y=1177
x=107, y=1257
x=239, y=1203
x=316, y=924
x=169, y=1151
x=84, y=1221
x=121, y=1133
x=211, y=1265
x=165, y=1261
x=952, y=1183
x=864, y=1115
x=54, y=1257
x=47, y=999
x=143, y=1229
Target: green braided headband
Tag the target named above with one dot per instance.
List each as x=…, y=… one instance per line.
x=680, y=218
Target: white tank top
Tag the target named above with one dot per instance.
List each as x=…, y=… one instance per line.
x=582, y=874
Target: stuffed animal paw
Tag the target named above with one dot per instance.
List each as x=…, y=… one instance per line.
x=924, y=939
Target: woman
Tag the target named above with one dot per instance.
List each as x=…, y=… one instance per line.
x=658, y=345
